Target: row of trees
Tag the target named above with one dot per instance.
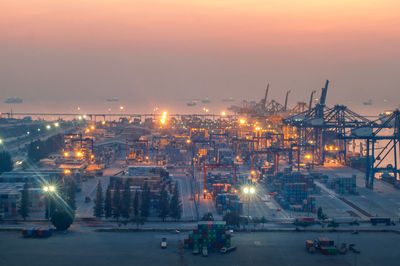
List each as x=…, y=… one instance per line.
x=41, y=149
x=118, y=203
x=6, y=163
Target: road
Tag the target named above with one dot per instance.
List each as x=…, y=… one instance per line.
x=143, y=248
x=184, y=183
x=89, y=190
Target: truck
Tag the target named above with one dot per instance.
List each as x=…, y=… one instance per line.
x=380, y=220
x=205, y=252
x=225, y=250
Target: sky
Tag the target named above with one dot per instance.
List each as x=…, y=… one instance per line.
x=58, y=55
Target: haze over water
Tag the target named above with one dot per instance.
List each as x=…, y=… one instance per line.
x=58, y=55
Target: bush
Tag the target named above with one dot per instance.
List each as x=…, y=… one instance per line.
x=61, y=220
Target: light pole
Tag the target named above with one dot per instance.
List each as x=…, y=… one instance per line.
x=249, y=190
x=49, y=190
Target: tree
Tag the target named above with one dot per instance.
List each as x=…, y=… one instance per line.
x=176, y=206
x=208, y=217
x=25, y=202
x=263, y=221
x=108, y=204
x=320, y=214
x=145, y=202
x=126, y=201
x=6, y=163
x=136, y=204
x=163, y=204
x=116, y=206
x=98, y=209
x=70, y=197
x=138, y=220
x=232, y=218
x=61, y=219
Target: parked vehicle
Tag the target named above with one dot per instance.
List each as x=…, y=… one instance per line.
x=205, y=252
x=380, y=220
x=196, y=250
x=163, y=243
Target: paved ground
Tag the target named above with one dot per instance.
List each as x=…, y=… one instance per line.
x=384, y=200
x=92, y=248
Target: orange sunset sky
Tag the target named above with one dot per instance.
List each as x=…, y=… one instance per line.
x=62, y=54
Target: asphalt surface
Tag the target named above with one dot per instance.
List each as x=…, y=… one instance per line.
x=143, y=248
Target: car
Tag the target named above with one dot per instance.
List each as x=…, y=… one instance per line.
x=163, y=243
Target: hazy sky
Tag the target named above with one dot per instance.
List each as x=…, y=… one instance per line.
x=60, y=54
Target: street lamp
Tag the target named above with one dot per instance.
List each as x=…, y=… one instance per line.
x=49, y=190
x=249, y=190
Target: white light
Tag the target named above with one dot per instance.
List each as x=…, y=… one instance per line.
x=48, y=127
x=80, y=117
x=27, y=133
x=38, y=129
x=1, y=141
x=56, y=124
x=52, y=188
x=246, y=190
x=45, y=188
x=252, y=190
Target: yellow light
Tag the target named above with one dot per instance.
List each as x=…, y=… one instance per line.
x=92, y=127
x=56, y=124
x=245, y=190
x=45, y=188
x=188, y=141
x=237, y=157
x=223, y=113
x=103, y=122
x=331, y=148
x=164, y=114
x=80, y=117
x=121, y=108
x=87, y=130
x=67, y=171
x=48, y=127
x=205, y=191
x=147, y=157
x=162, y=121
x=336, y=148
x=52, y=188
x=1, y=141
x=91, y=156
x=84, y=116
x=253, y=172
x=79, y=154
x=66, y=154
x=242, y=121
x=258, y=128
x=307, y=156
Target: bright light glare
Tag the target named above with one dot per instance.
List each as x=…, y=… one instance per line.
x=223, y=113
x=45, y=188
x=48, y=126
x=242, y=121
x=246, y=190
x=1, y=141
x=252, y=190
x=56, y=124
x=121, y=107
x=52, y=188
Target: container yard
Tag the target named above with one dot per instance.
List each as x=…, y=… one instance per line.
x=210, y=235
